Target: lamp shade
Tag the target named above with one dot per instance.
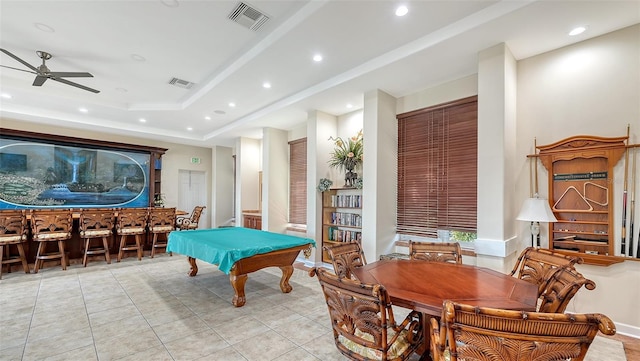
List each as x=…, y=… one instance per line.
x=536, y=210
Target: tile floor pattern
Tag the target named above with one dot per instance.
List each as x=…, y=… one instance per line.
x=151, y=310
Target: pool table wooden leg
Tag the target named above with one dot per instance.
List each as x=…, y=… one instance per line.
x=237, y=282
x=194, y=267
x=287, y=271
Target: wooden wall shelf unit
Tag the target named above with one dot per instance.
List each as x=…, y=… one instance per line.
x=341, y=217
x=581, y=195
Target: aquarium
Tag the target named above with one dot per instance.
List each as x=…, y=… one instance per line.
x=42, y=175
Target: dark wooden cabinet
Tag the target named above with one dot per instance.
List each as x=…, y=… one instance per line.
x=581, y=180
x=252, y=220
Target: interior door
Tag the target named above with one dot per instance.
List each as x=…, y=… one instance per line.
x=193, y=192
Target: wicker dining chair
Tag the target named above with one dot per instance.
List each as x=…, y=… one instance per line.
x=487, y=334
x=563, y=285
x=537, y=266
x=436, y=251
x=13, y=232
x=364, y=327
x=345, y=257
x=190, y=222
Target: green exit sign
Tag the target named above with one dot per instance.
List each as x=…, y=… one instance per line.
x=195, y=160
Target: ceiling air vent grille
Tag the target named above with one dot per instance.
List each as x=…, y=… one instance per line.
x=181, y=83
x=248, y=16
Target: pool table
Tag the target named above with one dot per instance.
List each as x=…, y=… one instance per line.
x=239, y=251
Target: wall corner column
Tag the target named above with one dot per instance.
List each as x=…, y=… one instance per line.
x=496, y=152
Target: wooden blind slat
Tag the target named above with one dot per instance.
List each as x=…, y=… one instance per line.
x=437, y=169
x=298, y=181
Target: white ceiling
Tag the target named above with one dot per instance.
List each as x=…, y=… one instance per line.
x=365, y=47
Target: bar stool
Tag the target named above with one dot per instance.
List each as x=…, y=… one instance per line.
x=161, y=221
x=13, y=231
x=47, y=226
x=96, y=224
x=131, y=222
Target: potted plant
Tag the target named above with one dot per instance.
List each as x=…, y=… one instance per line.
x=347, y=156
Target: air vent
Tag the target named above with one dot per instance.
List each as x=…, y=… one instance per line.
x=181, y=83
x=248, y=16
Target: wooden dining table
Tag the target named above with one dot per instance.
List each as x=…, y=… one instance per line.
x=423, y=286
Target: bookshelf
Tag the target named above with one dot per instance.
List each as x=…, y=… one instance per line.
x=341, y=217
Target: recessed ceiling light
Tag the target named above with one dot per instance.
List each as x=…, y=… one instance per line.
x=189, y=128
x=266, y=85
x=401, y=10
x=6, y=95
x=578, y=30
x=232, y=105
x=349, y=106
x=83, y=110
x=220, y=112
x=137, y=57
x=317, y=58
x=44, y=27
x=207, y=118
x=142, y=120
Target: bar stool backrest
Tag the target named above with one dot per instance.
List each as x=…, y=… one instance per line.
x=132, y=221
x=13, y=226
x=51, y=224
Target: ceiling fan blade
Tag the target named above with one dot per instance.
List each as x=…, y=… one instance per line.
x=62, y=74
x=39, y=80
x=20, y=60
x=64, y=81
x=26, y=71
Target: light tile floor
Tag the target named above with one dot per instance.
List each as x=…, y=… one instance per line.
x=151, y=310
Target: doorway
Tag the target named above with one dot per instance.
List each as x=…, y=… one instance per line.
x=192, y=192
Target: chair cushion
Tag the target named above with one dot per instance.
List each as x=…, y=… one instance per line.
x=95, y=233
x=11, y=238
x=53, y=236
x=135, y=230
x=161, y=229
x=395, y=350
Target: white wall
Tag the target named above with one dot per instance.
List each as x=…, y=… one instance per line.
x=590, y=88
x=248, y=162
x=320, y=126
x=222, y=183
x=275, y=180
x=380, y=176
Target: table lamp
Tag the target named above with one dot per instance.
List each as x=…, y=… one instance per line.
x=536, y=210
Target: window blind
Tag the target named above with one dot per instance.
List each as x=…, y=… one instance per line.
x=437, y=169
x=298, y=181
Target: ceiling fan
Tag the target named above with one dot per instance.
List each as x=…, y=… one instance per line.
x=43, y=73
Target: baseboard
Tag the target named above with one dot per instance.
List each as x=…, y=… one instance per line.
x=627, y=330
